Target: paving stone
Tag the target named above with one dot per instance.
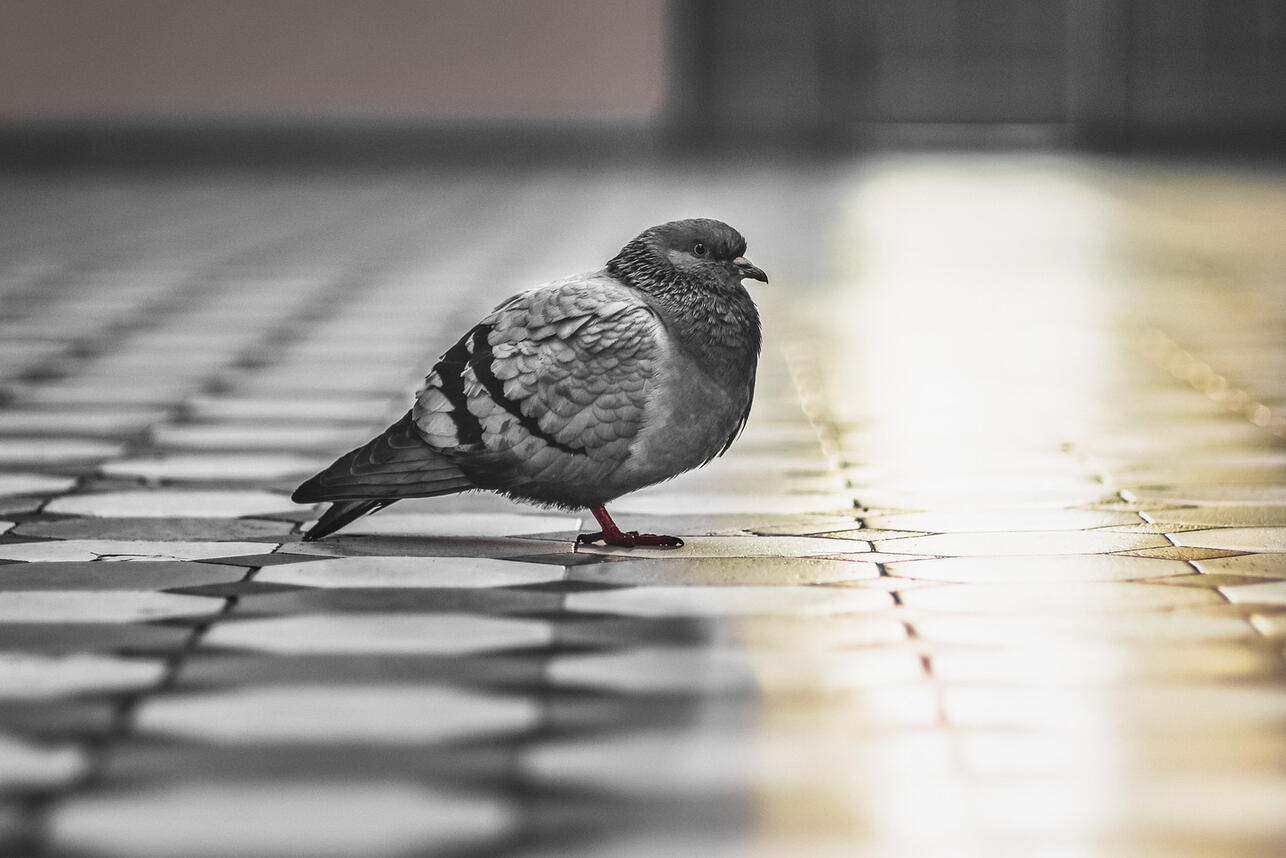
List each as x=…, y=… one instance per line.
x=1268, y=593
x=30, y=676
x=1221, y=516
x=256, y=436
x=368, y=713
x=1012, y=520
x=380, y=633
x=91, y=575
x=675, y=763
x=1262, y=539
x=730, y=601
x=410, y=572
x=726, y=571
x=740, y=546
x=1037, y=664
x=59, y=721
x=29, y=766
x=172, y=504
x=687, y=670
x=104, y=606
x=118, y=550
x=1056, y=598
x=80, y=421
x=1179, y=552
x=22, y=484
x=429, y=546
x=53, y=451
x=71, y=638
x=696, y=503
x=1146, y=627
x=1077, y=567
x=215, y=466
x=279, y=817
x=416, y=600
x=167, y=529
x=330, y=409
x=1256, y=565
x=461, y=525
x=1024, y=542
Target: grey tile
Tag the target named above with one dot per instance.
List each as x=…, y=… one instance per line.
x=104, y=606
x=96, y=575
x=125, y=550
x=172, y=503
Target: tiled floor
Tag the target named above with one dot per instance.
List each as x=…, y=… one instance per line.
x=997, y=569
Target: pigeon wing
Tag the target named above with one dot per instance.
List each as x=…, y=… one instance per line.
x=551, y=387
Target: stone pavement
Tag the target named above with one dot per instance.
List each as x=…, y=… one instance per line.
x=998, y=568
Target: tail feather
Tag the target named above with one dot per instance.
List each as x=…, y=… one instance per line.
x=342, y=514
x=397, y=464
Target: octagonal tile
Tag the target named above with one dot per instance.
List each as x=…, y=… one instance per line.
x=372, y=632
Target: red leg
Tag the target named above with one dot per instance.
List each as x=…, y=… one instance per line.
x=612, y=535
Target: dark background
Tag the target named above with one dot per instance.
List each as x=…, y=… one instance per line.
x=402, y=80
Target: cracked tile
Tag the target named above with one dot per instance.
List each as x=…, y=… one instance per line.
x=173, y=503
x=95, y=575
x=104, y=606
x=115, y=550
x=1255, y=565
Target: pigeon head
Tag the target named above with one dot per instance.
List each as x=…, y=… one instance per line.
x=697, y=252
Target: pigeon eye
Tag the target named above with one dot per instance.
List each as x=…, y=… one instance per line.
x=699, y=249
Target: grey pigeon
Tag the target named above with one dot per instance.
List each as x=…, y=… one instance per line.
x=579, y=391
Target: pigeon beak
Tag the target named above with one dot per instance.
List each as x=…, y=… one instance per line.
x=745, y=268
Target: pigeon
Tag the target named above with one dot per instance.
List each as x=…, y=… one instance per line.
x=577, y=392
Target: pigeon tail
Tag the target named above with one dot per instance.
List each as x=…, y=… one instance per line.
x=396, y=464
x=342, y=514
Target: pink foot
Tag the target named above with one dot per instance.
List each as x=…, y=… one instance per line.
x=614, y=536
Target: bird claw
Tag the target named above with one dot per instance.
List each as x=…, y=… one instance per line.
x=630, y=539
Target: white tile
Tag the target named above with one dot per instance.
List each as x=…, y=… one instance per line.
x=310, y=411
x=460, y=525
x=1024, y=542
x=30, y=484
x=443, y=634
x=706, y=670
x=55, y=450
x=727, y=601
x=1057, y=597
x=698, y=763
x=27, y=676
x=216, y=466
x=1266, y=539
x=127, y=550
x=356, y=572
x=741, y=546
x=1065, y=567
x=1268, y=593
x=365, y=714
x=100, y=606
x=173, y=503
x=24, y=765
x=275, y=819
x=711, y=503
x=256, y=436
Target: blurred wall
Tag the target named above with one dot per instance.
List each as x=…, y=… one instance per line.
x=1096, y=69
x=70, y=59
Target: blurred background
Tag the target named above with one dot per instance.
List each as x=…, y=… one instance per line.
x=998, y=568
x=393, y=79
